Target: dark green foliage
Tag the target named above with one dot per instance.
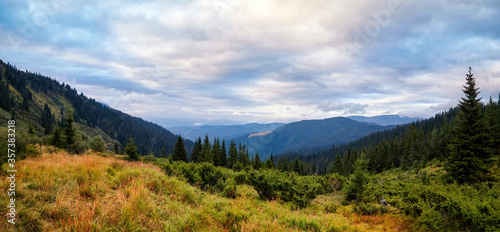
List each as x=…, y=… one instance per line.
x=270, y=162
x=243, y=156
x=218, y=154
x=206, y=151
x=116, y=149
x=358, y=181
x=233, y=155
x=337, y=166
x=196, y=154
x=69, y=134
x=131, y=150
x=98, y=144
x=179, y=151
x=47, y=120
x=273, y=184
x=370, y=209
x=470, y=146
x=57, y=140
x=257, y=163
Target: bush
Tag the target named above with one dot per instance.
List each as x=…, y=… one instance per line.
x=370, y=209
x=240, y=178
x=32, y=151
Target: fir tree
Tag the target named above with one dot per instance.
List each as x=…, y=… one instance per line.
x=233, y=155
x=216, y=153
x=206, y=152
x=223, y=156
x=56, y=138
x=358, y=181
x=257, y=163
x=131, y=150
x=470, y=146
x=270, y=162
x=337, y=166
x=69, y=134
x=296, y=166
x=196, y=154
x=179, y=151
x=115, y=148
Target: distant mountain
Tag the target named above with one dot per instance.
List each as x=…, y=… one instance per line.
x=308, y=134
x=223, y=132
x=24, y=95
x=385, y=120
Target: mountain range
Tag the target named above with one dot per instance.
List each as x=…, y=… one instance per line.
x=40, y=104
x=308, y=134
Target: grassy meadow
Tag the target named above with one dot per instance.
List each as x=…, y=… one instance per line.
x=56, y=191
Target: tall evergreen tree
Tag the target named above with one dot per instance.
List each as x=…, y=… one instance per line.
x=196, y=154
x=216, y=153
x=358, y=181
x=57, y=141
x=296, y=166
x=131, y=150
x=206, y=152
x=115, y=148
x=179, y=151
x=47, y=120
x=257, y=163
x=233, y=155
x=470, y=146
x=69, y=134
x=270, y=162
x=337, y=166
x=223, y=155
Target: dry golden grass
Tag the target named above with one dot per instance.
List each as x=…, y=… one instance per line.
x=61, y=192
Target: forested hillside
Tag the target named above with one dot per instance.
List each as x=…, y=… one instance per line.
x=308, y=134
x=41, y=104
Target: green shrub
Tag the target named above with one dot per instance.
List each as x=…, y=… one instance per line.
x=331, y=208
x=230, y=190
x=240, y=178
x=370, y=209
x=32, y=151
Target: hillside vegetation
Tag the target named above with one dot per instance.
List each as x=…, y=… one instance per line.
x=98, y=192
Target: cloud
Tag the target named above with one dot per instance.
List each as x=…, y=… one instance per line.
x=345, y=108
x=260, y=61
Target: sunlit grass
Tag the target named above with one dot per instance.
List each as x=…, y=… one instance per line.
x=62, y=192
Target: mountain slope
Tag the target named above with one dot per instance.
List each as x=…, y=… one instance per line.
x=223, y=132
x=95, y=193
x=307, y=134
x=385, y=120
x=29, y=92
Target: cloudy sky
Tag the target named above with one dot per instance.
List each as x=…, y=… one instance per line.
x=235, y=61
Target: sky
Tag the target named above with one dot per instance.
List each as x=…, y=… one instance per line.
x=195, y=62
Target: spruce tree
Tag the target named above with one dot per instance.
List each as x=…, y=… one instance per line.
x=270, y=162
x=337, y=166
x=470, y=145
x=179, y=151
x=223, y=156
x=196, y=154
x=296, y=166
x=257, y=163
x=216, y=150
x=206, y=152
x=131, y=150
x=115, y=148
x=69, y=134
x=233, y=155
x=358, y=181
x=56, y=138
